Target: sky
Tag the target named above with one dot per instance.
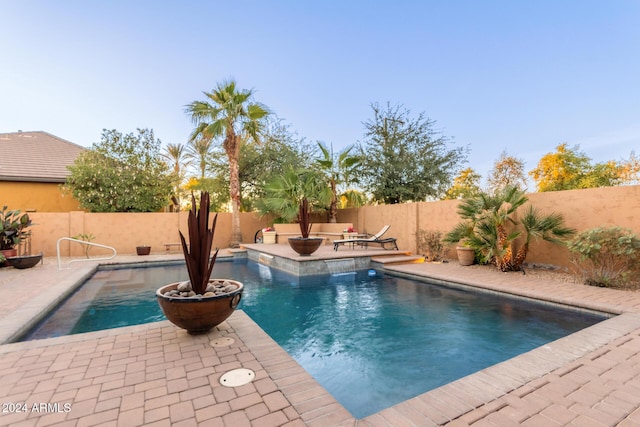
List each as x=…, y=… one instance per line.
x=515, y=76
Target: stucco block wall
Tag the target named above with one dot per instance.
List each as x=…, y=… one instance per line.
x=585, y=209
x=582, y=209
x=125, y=231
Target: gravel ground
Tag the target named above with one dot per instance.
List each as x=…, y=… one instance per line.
x=558, y=275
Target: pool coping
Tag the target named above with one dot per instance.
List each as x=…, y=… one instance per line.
x=435, y=407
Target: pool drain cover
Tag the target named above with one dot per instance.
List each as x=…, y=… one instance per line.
x=222, y=342
x=237, y=377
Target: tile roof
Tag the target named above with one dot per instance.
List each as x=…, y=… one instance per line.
x=36, y=156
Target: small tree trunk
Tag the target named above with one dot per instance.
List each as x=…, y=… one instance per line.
x=521, y=255
x=333, y=207
x=234, y=193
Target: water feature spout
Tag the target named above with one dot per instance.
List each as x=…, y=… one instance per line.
x=341, y=266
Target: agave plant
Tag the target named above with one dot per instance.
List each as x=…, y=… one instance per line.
x=304, y=221
x=197, y=254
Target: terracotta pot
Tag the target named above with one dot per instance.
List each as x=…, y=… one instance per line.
x=143, y=250
x=466, y=256
x=306, y=246
x=199, y=315
x=8, y=253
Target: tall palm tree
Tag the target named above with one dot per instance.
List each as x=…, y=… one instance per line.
x=176, y=155
x=338, y=169
x=177, y=158
x=231, y=113
x=199, y=150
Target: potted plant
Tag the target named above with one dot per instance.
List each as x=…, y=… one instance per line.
x=305, y=245
x=13, y=227
x=201, y=303
x=466, y=254
x=143, y=250
x=349, y=233
x=268, y=236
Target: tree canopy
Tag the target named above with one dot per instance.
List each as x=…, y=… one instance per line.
x=338, y=169
x=405, y=158
x=508, y=171
x=279, y=149
x=232, y=114
x=569, y=168
x=465, y=185
x=121, y=173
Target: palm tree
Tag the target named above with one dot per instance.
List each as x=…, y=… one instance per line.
x=549, y=228
x=488, y=227
x=177, y=158
x=198, y=151
x=175, y=154
x=231, y=113
x=285, y=192
x=338, y=169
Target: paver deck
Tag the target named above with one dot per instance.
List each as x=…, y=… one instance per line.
x=158, y=375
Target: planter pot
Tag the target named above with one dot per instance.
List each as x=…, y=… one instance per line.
x=199, y=314
x=306, y=246
x=269, y=237
x=349, y=235
x=25, y=261
x=466, y=256
x=8, y=253
x=143, y=250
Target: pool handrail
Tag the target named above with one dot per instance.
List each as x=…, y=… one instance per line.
x=83, y=242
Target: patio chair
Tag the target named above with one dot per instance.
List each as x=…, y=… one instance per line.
x=370, y=238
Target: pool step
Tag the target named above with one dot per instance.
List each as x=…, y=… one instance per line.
x=398, y=259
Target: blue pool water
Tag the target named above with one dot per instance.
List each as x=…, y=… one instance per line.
x=371, y=340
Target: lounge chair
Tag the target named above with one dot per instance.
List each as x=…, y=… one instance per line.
x=371, y=238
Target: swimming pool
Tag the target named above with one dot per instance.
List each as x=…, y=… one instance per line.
x=372, y=340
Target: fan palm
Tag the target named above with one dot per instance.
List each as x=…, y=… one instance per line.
x=285, y=193
x=177, y=158
x=338, y=169
x=230, y=113
x=198, y=151
x=488, y=227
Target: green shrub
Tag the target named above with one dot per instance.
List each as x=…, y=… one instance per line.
x=607, y=257
x=430, y=244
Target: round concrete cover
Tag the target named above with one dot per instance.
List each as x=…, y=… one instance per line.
x=237, y=377
x=222, y=342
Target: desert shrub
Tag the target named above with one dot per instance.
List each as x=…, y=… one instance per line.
x=430, y=244
x=606, y=257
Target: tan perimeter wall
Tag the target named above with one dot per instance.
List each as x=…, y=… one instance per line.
x=125, y=231
x=582, y=209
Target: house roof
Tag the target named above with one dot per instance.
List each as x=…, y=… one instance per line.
x=36, y=156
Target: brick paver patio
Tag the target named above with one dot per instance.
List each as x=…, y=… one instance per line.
x=158, y=375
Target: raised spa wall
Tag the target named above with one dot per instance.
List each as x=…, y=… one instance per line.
x=306, y=267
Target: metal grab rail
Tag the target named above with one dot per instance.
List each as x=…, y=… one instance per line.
x=83, y=242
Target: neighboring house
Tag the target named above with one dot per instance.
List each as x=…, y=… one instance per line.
x=33, y=165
